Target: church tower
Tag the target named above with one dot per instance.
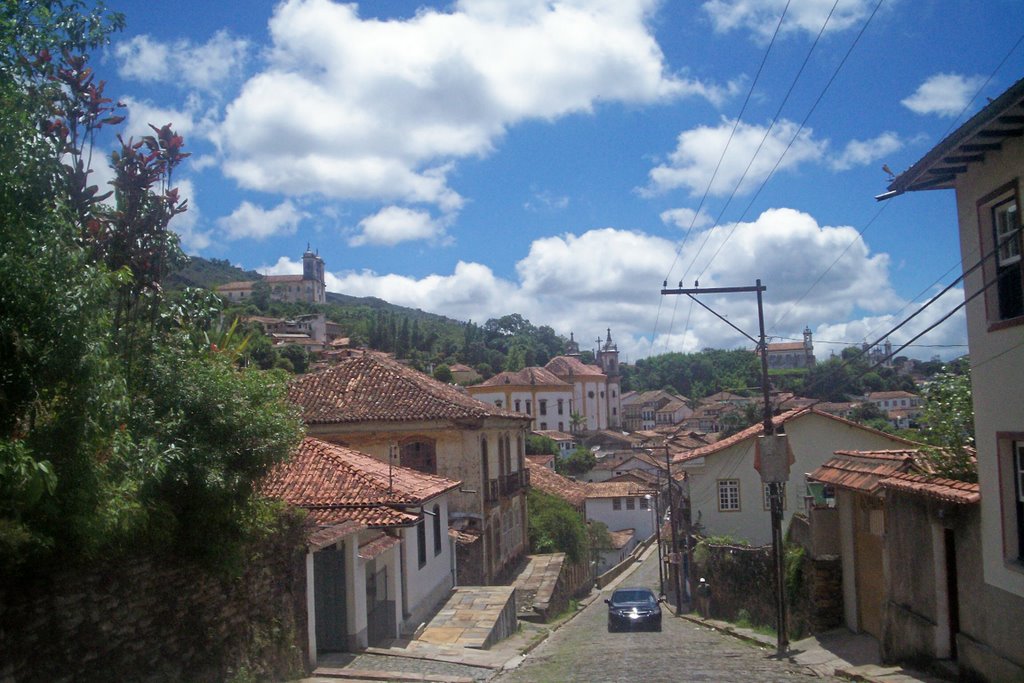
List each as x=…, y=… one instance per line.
x=572, y=347
x=313, y=276
x=608, y=359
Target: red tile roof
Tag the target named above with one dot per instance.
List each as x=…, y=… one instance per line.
x=946, y=490
x=374, y=388
x=546, y=460
x=550, y=482
x=615, y=489
x=563, y=366
x=334, y=484
x=863, y=471
x=756, y=430
x=524, y=377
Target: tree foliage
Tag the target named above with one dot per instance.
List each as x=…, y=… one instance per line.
x=577, y=463
x=555, y=527
x=125, y=421
x=947, y=422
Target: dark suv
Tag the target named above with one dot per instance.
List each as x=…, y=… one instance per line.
x=634, y=608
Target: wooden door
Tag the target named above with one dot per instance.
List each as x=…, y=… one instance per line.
x=870, y=579
x=329, y=600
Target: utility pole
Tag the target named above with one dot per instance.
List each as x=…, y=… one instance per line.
x=774, y=449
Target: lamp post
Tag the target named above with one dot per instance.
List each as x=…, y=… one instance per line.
x=657, y=536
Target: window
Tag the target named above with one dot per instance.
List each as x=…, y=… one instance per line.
x=497, y=403
x=542, y=406
x=437, y=529
x=561, y=426
x=590, y=394
x=631, y=503
x=529, y=406
x=421, y=543
x=1011, y=477
x=602, y=394
x=616, y=503
x=767, y=498
x=543, y=426
x=419, y=455
x=519, y=406
x=645, y=503
x=560, y=406
x=999, y=223
x=728, y=495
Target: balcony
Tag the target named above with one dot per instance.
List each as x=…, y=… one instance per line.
x=491, y=490
x=511, y=483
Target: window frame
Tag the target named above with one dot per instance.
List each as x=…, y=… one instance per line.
x=987, y=239
x=722, y=486
x=616, y=503
x=1010, y=458
x=630, y=503
x=421, y=544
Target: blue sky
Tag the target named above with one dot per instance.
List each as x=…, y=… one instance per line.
x=487, y=157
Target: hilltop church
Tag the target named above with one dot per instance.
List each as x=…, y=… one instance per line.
x=309, y=287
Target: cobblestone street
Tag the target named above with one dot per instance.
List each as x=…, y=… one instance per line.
x=583, y=650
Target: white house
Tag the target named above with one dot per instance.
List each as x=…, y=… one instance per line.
x=621, y=506
x=535, y=392
x=726, y=494
x=380, y=559
x=983, y=161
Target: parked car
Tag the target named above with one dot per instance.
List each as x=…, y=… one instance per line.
x=634, y=608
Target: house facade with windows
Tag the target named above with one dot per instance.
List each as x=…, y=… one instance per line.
x=983, y=161
x=403, y=417
x=726, y=493
x=362, y=588
x=535, y=392
x=622, y=505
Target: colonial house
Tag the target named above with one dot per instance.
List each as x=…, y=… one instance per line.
x=623, y=462
x=401, y=416
x=909, y=547
x=625, y=508
x=893, y=400
x=308, y=287
x=650, y=409
x=361, y=587
x=534, y=392
x=726, y=493
x=983, y=161
x=312, y=327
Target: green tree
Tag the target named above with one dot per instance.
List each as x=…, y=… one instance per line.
x=540, y=445
x=947, y=422
x=443, y=373
x=554, y=526
x=577, y=463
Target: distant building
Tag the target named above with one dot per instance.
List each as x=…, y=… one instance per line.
x=309, y=287
x=792, y=355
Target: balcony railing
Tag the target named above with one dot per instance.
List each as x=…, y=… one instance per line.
x=511, y=483
x=491, y=490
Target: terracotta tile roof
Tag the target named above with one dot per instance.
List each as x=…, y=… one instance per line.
x=946, y=490
x=643, y=477
x=863, y=471
x=329, y=535
x=881, y=395
x=550, y=482
x=378, y=546
x=542, y=460
x=555, y=434
x=465, y=536
x=614, y=489
x=622, y=537
x=563, y=366
x=524, y=377
x=786, y=346
x=374, y=388
x=284, y=278
x=334, y=484
x=755, y=430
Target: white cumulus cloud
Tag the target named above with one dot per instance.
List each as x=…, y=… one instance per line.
x=760, y=17
x=864, y=152
x=943, y=94
x=357, y=108
x=394, y=224
x=610, y=277
x=752, y=154
x=203, y=66
x=685, y=218
x=249, y=221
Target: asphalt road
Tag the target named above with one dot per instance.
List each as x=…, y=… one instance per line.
x=583, y=650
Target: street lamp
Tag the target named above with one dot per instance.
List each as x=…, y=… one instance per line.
x=657, y=535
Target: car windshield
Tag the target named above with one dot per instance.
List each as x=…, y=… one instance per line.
x=633, y=597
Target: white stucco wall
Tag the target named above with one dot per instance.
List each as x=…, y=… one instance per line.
x=813, y=439
x=601, y=510
x=425, y=586
x=997, y=363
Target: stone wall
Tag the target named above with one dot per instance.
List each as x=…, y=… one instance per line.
x=153, y=620
x=742, y=581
